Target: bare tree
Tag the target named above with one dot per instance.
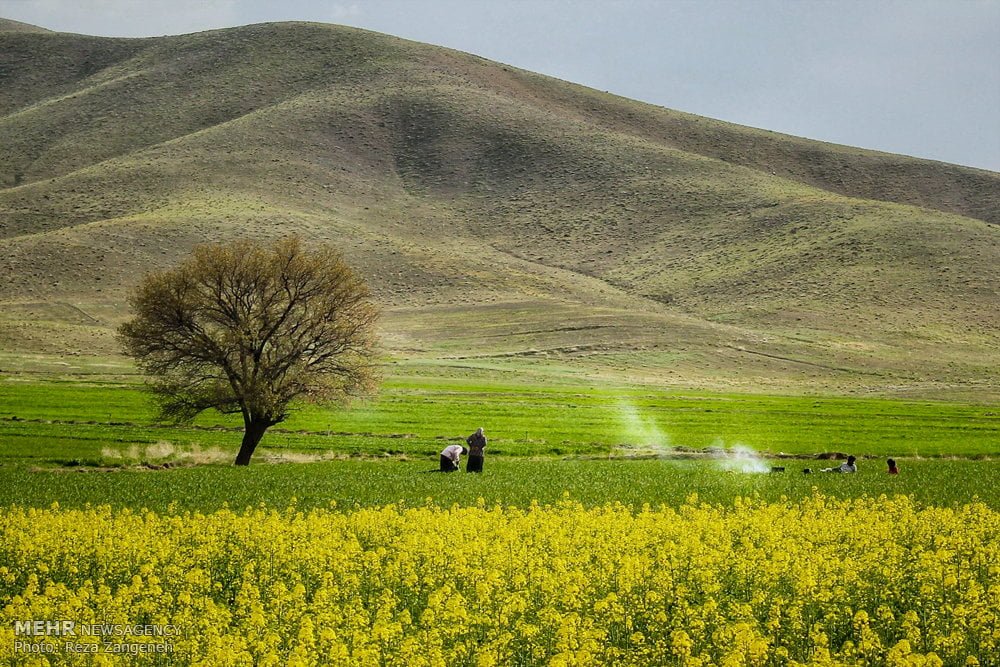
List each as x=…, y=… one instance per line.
x=246, y=328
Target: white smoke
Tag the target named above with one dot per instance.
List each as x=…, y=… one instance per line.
x=739, y=458
x=642, y=431
x=642, y=434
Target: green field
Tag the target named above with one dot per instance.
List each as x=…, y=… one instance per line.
x=77, y=442
x=506, y=482
x=61, y=422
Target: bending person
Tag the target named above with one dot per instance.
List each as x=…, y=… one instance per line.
x=450, y=457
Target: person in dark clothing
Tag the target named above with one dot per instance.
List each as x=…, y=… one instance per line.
x=476, y=443
x=893, y=470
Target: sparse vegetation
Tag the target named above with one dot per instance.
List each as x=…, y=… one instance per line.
x=587, y=232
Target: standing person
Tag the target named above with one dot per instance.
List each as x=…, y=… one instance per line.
x=844, y=467
x=450, y=457
x=476, y=443
x=893, y=470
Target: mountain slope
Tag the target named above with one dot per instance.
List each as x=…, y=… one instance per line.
x=601, y=232
x=8, y=25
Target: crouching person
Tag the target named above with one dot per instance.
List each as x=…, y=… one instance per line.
x=450, y=456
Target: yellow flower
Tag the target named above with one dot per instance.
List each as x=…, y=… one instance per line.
x=821, y=582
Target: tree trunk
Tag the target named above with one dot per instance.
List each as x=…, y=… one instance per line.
x=252, y=433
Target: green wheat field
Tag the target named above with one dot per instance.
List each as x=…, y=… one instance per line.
x=82, y=441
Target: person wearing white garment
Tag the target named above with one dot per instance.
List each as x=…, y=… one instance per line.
x=850, y=466
x=450, y=457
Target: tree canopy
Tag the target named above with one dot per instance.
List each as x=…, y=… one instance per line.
x=247, y=327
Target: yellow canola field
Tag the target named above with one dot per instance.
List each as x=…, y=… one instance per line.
x=870, y=581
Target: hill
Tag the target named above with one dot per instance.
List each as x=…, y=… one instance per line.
x=8, y=25
x=507, y=220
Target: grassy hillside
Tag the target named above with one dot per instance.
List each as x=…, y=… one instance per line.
x=508, y=221
x=8, y=25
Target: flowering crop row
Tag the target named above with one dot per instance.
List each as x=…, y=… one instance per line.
x=869, y=581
